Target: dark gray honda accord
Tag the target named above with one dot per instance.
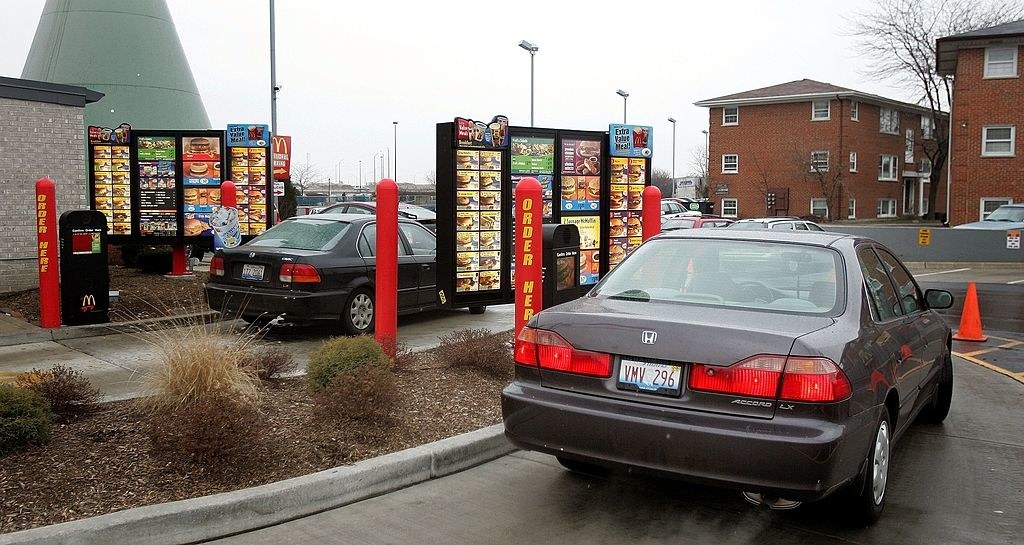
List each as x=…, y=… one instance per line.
x=782, y=364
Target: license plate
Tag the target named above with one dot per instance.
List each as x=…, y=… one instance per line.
x=649, y=377
x=252, y=272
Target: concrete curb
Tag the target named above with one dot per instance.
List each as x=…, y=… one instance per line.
x=219, y=515
x=96, y=330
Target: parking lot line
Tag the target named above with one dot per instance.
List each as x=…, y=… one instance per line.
x=1019, y=377
x=941, y=272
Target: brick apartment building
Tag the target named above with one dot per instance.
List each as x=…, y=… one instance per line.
x=42, y=134
x=987, y=111
x=807, y=148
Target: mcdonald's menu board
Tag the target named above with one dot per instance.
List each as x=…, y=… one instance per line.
x=625, y=225
x=478, y=198
x=157, y=184
x=111, y=185
x=534, y=157
x=249, y=154
x=581, y=175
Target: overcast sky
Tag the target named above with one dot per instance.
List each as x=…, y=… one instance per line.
x=349, y=69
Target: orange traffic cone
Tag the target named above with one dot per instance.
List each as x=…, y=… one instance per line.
x=970, y=319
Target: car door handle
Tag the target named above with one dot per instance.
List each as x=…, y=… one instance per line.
x=426, y=266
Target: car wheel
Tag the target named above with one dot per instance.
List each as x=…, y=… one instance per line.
x=867, y=495
x=358, y=316
x=584, y=468
x=479, y=309
x=935, y=412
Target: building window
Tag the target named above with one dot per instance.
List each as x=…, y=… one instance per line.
x=819, y=161
x=998, y=141
x=926, y=167
x=851, y=209
x=819, y=207
x=889, y=121
x=989, y=204
x=887, y=208
x=730, y=164
x=819, y=110
x=1001, y=62
x=730, y=208
x=908, y=150
x=731, y=115
x=927, y=128
x=853, y=161
x=855, y=111
x=887, y=168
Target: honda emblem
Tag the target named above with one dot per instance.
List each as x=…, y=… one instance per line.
x=252, y=255
x=649, y=337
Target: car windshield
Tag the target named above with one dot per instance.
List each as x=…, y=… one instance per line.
x=1006, y=213
x=302, y=233
x=729, y=273
x=748, y=225
x=671, y=224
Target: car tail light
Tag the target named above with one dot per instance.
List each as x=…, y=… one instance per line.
x=548, y=350
x=217, y=266
x=773, y=376
x=299, y=273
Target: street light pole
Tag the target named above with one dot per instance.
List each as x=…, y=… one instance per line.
x=672, y=120
x=360, y=175
x=533, y=50
x=707, y=158
x=395, y=123
x=624, y=96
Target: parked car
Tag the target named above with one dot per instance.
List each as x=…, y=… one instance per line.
x=694, y=221
x=321, y=268
x=782, y=365
x=1007, y=216
x=782, y=223
x=405, y=210
x=704, y=206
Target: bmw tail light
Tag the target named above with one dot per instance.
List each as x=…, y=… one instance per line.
x=217, y=266
x=813, y=380
x=299, y=273
x=755, y=377
x=548, y=350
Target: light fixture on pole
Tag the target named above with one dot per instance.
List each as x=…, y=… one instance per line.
x=533, y=50
x=395, y=123
x=624, y=96
x=672, y=120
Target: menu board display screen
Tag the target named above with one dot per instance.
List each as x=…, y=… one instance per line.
x=200, y=177
x=534, y=157
x=156, y=176
x=478, y=199
x=112, y=185
x=625, y=228
x=581, y=175
x=250, y=173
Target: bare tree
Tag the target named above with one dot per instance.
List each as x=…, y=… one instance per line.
x=662, y=179
x=899, y=38
x=825, y=170
x=699, y=168
x=304, y=176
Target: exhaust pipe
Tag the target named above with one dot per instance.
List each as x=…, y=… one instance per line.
x=771, y=502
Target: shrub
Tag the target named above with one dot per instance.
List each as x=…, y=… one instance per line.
x=200, y=363
x=67, y=390
x=217, y=431
x=364, y=393
x=477, y=348
x=267, y=363
x=343, y=354
x=25, y=419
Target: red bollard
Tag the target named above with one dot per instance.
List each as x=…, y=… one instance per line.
x=651, y=212
x=529, y=261
x=48, y=253
x=386, y=300
x=228, y=196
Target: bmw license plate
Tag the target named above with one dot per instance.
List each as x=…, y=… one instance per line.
x=252, y=272
x=649, y=377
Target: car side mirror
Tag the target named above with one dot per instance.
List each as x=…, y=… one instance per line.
x=938, y=299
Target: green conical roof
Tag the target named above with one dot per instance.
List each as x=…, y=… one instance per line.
x=129, y=51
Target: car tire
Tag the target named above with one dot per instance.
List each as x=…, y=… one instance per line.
x=478, y=309
x=583, y=468
x=937, y=410
x=359, y=314
x=866, y=496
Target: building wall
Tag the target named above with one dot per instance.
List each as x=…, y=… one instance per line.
x=36, y=140
x=774, y=143
x=978, y=102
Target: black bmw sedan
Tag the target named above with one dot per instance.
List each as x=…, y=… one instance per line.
x=781, y=364
x=321, y=268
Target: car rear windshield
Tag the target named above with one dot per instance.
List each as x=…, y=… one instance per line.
x=305, y=233
x=730, y=273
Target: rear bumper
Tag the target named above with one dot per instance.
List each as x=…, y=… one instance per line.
x=795, y=458
x=297, y=307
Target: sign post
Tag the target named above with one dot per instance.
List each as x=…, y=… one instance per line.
x=386, y=326
x=529, y=240
x=47, y=252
